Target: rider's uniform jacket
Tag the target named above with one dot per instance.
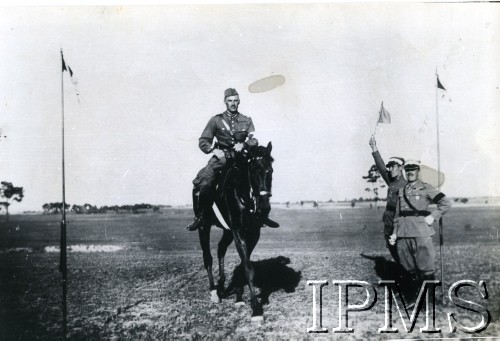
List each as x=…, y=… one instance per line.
x=225, y=128
x=412, y=208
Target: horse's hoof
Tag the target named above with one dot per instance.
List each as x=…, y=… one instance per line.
x=214, y=297
x=258, y=319
x=239, y=304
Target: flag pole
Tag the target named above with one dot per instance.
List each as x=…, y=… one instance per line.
x=441, y=239
x=63, y=261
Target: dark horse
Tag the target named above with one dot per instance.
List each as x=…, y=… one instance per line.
x=242, y=198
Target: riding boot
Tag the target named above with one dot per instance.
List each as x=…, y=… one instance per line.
x=270, y=223
x=196, y=208
x=410, y=288
x=428, y=277
x=202, y=198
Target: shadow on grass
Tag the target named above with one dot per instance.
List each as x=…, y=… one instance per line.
x=389, y=270
x=271, y=275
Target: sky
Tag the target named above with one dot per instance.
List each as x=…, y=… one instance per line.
x=149, y=78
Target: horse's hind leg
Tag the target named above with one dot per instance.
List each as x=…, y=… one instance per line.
x=239, y=296
x=226, y=240
x=236, y=286
x=204, y=234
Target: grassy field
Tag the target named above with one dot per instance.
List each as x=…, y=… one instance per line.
x=156, y=287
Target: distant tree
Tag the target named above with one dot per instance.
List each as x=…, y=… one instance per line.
x=9, y=192
x=46, y=208
x=375, y=179
x=464, y=200
x=90, y=209
x=54, y=207
x=78, y=209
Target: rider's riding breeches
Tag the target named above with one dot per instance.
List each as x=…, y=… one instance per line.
x=205, y=182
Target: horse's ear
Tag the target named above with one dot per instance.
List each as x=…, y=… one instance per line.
x=269, y=147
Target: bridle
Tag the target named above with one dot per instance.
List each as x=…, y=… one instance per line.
x=261, y=193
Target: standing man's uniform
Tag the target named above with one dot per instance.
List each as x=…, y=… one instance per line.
x=413, y=224
x=394, y=185
x=233, y=132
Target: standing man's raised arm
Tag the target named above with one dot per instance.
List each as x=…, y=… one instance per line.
x=379, y=162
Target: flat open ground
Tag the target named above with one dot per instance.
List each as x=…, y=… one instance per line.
x=156, y=286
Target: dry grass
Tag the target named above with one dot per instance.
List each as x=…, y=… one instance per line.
x=157, y=288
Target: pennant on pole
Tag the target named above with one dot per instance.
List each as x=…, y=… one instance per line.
x=444, y=94
x=439, y=85
x=384, y=116
x=67, y=68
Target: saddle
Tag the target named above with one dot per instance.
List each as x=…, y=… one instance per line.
x=222, y=181
x=221, y=184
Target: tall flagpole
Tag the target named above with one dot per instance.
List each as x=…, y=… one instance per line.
x=63, y=261
x=441, y=239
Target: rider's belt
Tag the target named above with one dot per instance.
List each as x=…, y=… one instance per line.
x=390, y=208
x=414, y=213
x=228, y=152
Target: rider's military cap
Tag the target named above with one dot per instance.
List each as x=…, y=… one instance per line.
x=230, y=92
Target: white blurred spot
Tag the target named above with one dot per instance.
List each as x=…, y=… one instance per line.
x=86, y=248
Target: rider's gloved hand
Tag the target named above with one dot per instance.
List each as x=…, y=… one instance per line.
x=239, y=146
x=218, y=153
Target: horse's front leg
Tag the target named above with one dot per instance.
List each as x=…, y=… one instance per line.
x=241, y=246
x=204, y=234
x=253, y=237
x=226, y=240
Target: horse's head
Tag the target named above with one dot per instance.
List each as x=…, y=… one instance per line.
x=260, y=167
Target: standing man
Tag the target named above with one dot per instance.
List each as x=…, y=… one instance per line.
x=233, y=132
x=413, y=224
x=392, y=173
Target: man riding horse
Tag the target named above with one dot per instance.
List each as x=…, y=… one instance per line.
x=234, y=134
